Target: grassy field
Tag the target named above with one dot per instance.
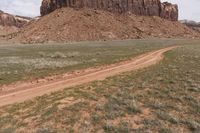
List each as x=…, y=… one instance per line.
x=164, y=98
x=25, y=62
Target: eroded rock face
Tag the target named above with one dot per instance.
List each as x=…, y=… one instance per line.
x=138, y=7
x=11, y=20
x=169, y=11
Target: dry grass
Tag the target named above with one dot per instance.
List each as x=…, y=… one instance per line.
x=163, y=98
x=24, y=62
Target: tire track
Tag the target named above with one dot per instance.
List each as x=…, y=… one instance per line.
x=26, y=91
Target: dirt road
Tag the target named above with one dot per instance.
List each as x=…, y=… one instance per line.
x=20, y=92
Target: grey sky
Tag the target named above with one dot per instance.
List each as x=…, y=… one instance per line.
x=188, y=9
x=21, y=7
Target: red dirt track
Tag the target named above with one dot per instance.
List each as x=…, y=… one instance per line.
x=25, y=91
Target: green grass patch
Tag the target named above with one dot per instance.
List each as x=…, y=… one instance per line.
x=157, y=99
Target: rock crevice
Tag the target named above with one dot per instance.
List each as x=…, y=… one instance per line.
x=139, y=7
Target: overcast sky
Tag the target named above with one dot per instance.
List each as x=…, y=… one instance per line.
x=188, y=9
x=21, y=7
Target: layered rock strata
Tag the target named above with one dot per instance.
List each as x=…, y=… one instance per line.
x=139, y=7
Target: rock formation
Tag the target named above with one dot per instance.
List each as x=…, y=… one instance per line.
x=169, y=11
x=138, y=7
x=11, y=20
x=71, y=25
x=192, y=24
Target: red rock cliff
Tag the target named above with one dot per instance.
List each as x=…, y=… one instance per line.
x=169, y=11
x=138, y=7
x=11, y=20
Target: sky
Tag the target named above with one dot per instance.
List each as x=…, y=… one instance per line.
x=29, y=8
x=188, y=9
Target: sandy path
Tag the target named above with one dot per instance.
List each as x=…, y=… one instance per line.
x=23, y=91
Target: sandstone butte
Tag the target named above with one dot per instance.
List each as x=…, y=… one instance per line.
x=139, y=7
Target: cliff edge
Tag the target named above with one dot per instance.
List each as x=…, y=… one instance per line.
x=138, y=7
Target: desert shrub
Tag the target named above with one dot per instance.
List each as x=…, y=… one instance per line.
x=124, y=127
x=158, y=105
x=193, y=125
x=72, y=54
x=167, y=117
x=108, y=127
x=45, y=130
x=58, y=55
x=42, y=54
x=95, y=118
x=8, y=130
x=152, y=122
x=165, y=130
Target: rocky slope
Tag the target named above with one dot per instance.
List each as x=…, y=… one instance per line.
x=138, y=7
x=192, y=24
x=69, y=24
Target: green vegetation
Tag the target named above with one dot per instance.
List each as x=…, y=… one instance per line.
x=163, y=98
x=24, y=62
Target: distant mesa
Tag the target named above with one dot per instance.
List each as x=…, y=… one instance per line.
x=11, y=23
x=139, y=7
x=12, y=20
x=192, y=24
